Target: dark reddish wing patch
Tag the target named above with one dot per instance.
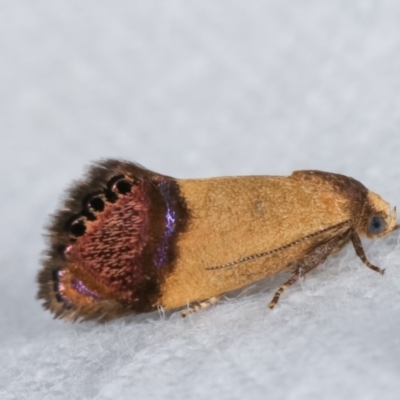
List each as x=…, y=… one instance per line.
x=112, y=244
x=108, y=255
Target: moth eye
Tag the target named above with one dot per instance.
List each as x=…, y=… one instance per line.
x=376, y=225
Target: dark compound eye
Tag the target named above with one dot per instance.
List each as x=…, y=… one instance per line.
x=376, y=225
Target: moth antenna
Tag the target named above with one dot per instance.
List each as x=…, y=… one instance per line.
x=273, y=251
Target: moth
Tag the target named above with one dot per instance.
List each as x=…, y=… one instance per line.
x=129, y=240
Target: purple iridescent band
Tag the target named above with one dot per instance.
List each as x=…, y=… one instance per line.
x=76, y=284
x=80, y=287
x=66, y=302
x=161, y=254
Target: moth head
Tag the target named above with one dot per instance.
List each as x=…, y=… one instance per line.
x=377, y=218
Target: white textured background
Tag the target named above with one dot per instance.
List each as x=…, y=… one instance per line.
x=194, y=89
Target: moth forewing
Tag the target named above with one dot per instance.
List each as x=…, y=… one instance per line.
x=128, y=240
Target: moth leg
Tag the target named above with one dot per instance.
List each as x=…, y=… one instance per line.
x=317, y=256
x=199, y=305
x=341, y=243
x=355, y=239
x=288, y=283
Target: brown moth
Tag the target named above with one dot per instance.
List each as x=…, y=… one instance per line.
x=128, y=240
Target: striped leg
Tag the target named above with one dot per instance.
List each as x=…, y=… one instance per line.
x=355, y=239
x=288, y=283
x=200, y=305
x=311, y=261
